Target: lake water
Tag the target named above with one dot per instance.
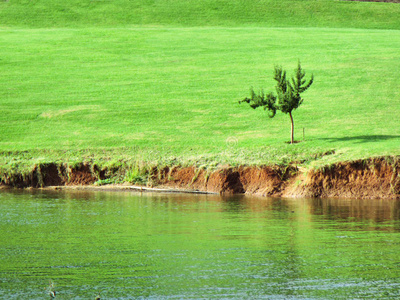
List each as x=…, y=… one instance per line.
x=161, y=246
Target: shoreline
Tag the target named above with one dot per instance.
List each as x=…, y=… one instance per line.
x=123, y=188
x=373, y=178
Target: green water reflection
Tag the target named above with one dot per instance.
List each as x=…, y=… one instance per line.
x=132, y=246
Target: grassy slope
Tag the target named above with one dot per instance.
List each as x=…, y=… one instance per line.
x=282, y=13
x=99, y=79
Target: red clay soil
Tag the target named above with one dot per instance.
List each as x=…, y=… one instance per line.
x=365, y=179
x=52, y=174
x=375, y=178
x=81, y=175
x=252, y=180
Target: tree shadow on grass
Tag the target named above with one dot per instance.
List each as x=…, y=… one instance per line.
x=363, y=138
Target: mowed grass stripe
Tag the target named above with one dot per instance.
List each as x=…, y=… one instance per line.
x=189, y=13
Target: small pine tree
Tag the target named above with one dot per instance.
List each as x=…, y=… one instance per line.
x=288, y=94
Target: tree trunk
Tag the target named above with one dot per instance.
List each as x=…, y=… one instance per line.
x=292, y=129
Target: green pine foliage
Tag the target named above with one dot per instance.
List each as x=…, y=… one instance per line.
x=288, y=94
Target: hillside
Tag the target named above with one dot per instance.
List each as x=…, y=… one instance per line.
x=130, y=85
x=271, y=13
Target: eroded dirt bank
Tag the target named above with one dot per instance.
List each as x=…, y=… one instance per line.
x=368, y=179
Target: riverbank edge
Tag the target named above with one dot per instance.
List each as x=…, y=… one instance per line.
x=372, y=178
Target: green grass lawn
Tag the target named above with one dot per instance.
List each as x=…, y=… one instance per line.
x=169, y=93
x=264, y=13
